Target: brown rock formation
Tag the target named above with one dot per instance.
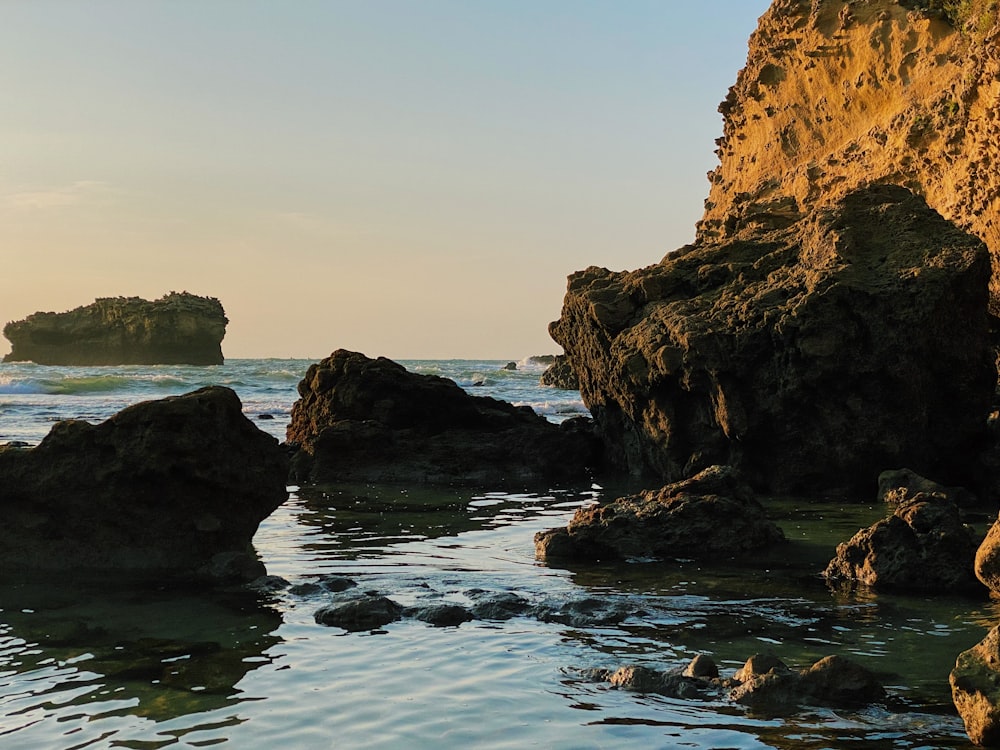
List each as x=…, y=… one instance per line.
x=808, y=358
x=975, y=689
x=175, y=487
x=711, y=515
x=361, y=419
x=839, y=95
x=177, y=329
x=922, y=547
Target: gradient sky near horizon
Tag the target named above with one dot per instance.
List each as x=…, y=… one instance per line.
x=407, y=178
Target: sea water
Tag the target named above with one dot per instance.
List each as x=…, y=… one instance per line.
x=107, y=664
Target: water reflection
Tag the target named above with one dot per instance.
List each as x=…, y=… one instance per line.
x=83, y=660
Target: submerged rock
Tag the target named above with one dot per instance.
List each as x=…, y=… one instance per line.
x=807, y=357
x=922, y=547
x=370, y=420
x=175, y=487
x=975, y=689
x=177, y=329
x=708, y=516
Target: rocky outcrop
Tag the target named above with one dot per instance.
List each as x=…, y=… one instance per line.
x=839, y=95
x=896, y=486
x=560, y=374
x=370, y=420
x=177, y=329
x=923, y=547
x=975, y=689
x=173, y=488
x=709, y=516
x=808, y=357
x=987, y=562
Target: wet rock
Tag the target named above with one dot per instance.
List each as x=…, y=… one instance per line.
x=177, y=329
x=975, y=689
x=443, y=615
x=560, y=374
x=808, y=357
x=499, y=606
x=584, y=613
x=268, y=584
x=370, y=420
x=710, y=515
x=171, y=488
x=306, y=589
x=768, y=686
x=511, y=366
x=896, y=486
x=646, y=680
x=361, y=613
x=336, y=583
x=922, y=547
x=702, y=666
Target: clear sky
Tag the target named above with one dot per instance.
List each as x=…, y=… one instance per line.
x=407, y=178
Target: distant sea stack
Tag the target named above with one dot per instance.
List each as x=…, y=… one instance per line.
x=177, y=329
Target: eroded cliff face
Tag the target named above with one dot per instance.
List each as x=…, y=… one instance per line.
x=838, y=95
x=178, y=328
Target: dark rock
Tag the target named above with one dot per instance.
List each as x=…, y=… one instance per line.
x=707, y=516
x=560, y=374
x=922, y=547
x=369, y=420
x=543, y=359
x=268, y=584
x=265, y=417
x=646, y=680
x=584, y=613
x=443, y=615
x=174, y=487
x=702, y=666
x=975, y=690
x=500, y=606
x=336, y=583
x=896, y=486
x=768, y=686
x=306, y=589
x=808, y=358
x=510, y=366
x=362, y=613
x=177, y=329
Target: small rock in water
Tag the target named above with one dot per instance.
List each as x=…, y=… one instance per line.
x=336, y=583
x=267, y=584
x=363, y=613
x=443, y=615
x=265, y=416
x=510, y=366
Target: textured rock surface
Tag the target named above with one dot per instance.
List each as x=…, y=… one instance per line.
x=179, y=328
x=838, y=95
x=975, y=690
x=922, y=547
x=361, y=419
x=896, y=486
x=173, y=487
x=560, y=374
x=987, y=562
x=709, y=516
x=808, y=358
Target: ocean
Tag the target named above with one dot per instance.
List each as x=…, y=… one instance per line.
x=114, y=665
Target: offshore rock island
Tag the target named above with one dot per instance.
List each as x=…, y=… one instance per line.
x=177, y=329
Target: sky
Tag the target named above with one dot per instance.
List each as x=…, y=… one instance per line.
x=405, y=178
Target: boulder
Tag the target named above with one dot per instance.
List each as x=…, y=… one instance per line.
x=709, y=516
x=560, y=374
x=896, y=486
x=177, y=329
x=807, y=357
x=370, y=420
x=175, y=487
x=923, y=547
x=975, y=689
x=987, y=559
x=359, y=613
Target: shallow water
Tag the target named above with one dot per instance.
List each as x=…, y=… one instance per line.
x=96, y=664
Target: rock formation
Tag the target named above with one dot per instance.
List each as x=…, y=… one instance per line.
x=839, y=95
x=560, y=374
x=987, y=563
x=923, y=547
x=975, y=689
x=370, y=420
x=175, y=488
x=808, y=357
x=709, y=516
x=177, y=329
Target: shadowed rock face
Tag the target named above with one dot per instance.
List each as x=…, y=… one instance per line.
x=362, y=419
x=174, y=487
x=809, y=358
x=179, y=328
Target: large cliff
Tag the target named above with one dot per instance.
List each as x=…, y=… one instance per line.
x=178, y=328
x=838, y=95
